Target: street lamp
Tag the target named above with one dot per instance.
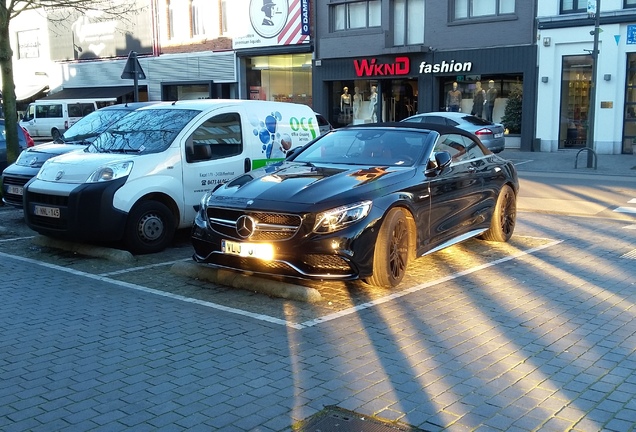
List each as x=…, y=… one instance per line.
x=593, y=9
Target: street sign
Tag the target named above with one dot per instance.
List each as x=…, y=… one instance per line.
x=133, y=69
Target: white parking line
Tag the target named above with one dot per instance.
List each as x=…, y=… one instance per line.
x=625, y=210
x=15, y=239
x=270, y=319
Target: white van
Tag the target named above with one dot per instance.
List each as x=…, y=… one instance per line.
x=144, y=177
x=51, y=118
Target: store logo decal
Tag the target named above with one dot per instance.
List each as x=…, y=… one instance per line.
x=445, y=67
x=364, y=67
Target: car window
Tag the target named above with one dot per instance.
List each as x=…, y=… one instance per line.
x=217, y=138
x=48, y=111
x=434, y=120
x=460, y=147
x=143, y=131
x=369, y=147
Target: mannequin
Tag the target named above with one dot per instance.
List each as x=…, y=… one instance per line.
x=345, y=102
x=489, y=103
x=357, y=101
x=478, y=100
x=454, y=99
x=373, y=102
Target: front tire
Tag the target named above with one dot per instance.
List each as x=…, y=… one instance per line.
x=391, y=255
x=55, y=134
x=504, y=217
x=150, y=228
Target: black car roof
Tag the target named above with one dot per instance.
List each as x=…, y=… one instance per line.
x=439, y=128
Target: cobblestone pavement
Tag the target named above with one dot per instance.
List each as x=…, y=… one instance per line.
x=539, y=334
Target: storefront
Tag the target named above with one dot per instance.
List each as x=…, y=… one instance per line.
x=566, y=85
x=393, y=87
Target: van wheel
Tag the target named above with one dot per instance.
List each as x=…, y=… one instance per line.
x=150, y=228
x=391, y=255
x=55, y=134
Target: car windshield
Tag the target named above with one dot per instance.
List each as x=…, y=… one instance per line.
x=143, y=131
x=371, y=146
x=87, y=128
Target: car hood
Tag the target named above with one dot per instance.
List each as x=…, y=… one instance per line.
x=76, y=167
x=35, y=156
x=299, y=183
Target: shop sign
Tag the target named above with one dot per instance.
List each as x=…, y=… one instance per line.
x=445, y=67
x=371, y=67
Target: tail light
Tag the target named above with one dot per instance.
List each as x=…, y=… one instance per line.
x=29, y=139
x=483, y=133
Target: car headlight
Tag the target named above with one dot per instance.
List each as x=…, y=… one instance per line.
x=111, y=172
x=338, y=218
x=204, y=203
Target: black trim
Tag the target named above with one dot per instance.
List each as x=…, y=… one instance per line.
x=276, y=50
x=94, y=92
x=581, y=20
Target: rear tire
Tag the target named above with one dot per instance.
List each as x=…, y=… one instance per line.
x=391, y=255
x=504, y=217
x=150, y=228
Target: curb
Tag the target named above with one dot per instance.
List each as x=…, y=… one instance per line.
x=110, y=254
x=247, y=282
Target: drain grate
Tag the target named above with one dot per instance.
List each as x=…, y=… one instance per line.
x=334, y=419
x=630, y=255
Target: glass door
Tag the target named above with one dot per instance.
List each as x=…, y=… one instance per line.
x=575, y=101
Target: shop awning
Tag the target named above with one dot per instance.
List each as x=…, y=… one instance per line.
x=94, y=92
x=27, y=92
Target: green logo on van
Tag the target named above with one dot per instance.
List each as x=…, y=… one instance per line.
x=303, y=123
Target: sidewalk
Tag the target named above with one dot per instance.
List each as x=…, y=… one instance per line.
x=565, y=160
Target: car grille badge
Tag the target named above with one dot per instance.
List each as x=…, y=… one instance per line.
x=59, y=175
x=245, y=226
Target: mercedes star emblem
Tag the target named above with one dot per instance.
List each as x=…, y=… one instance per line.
x=245, y=226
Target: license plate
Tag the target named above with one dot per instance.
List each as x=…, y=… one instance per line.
x=263, y=251
x=15, y=190
x=499, y=135
x=52, y=212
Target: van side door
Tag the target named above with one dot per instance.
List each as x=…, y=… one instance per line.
x=213, y=153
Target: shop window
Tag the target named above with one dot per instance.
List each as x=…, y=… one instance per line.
x=573, y=6
x=465, y=9
x=356, y=14
x=408, y=22
x=283, y=78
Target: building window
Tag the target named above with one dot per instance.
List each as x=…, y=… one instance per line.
x=356, y=14
x=223, y=17
x=465, y=9
x=576, y=82
x=573, y=6
x=171, y=18
x=629, y=4
x=408, y=22
x=198, y=18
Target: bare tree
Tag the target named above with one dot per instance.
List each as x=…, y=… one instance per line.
x=10, y=9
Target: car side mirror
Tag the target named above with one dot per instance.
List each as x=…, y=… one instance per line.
x=293, y=152
x=442, y=161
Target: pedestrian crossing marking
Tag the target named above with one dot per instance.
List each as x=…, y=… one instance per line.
x=625, y=210
x=630, y=254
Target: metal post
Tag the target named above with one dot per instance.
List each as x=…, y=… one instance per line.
x=591, y=118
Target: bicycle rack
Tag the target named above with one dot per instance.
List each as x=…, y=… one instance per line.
x=576, y=160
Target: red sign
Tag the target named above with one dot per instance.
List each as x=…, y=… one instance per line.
x=371, y=67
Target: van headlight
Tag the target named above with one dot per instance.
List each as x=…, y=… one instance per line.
x=111, y=172
x=338, y=218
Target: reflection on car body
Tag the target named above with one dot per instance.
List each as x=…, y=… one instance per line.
x=359, y=202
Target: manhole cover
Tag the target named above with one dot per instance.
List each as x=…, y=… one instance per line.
x=333, y=419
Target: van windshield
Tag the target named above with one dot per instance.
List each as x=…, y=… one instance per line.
x=143, y=131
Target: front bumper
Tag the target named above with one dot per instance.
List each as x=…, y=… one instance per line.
x=13, y=180
x=346, y=254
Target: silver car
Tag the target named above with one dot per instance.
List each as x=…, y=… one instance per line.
x=489, y=133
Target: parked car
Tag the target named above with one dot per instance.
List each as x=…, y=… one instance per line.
x=76, y=137
x=491, y=134
x=359, y=202
x=24, y=141
x=143, y=178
